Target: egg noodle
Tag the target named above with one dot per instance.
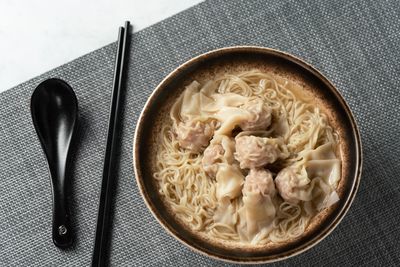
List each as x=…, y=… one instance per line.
x=217, y=205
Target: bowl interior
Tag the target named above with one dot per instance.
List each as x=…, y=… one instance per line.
x=237, y=59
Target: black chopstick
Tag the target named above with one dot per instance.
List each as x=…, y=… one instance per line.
x=106, y=195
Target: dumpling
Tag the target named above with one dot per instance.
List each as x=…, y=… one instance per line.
x=311, y=182
x=258, y=211
x=194, y=129
x=194, y=135
x=254, y=152
x=260, y=116
x=293, y=185
x=260, y=180
x=219, y=151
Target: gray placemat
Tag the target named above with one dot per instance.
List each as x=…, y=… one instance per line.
x=354, y=43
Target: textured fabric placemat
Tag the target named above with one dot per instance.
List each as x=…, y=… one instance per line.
x=354, y=43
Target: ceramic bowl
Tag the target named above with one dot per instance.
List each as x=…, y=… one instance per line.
x=240, y=58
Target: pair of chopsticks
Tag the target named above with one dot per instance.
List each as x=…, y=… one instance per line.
x=107, y=186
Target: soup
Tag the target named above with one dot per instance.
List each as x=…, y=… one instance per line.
x=247, y=157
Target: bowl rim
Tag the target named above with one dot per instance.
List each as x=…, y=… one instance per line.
x=246, y=48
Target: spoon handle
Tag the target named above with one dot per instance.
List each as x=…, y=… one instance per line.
x=62, y=232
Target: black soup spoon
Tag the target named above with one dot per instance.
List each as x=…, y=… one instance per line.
x=54, y=109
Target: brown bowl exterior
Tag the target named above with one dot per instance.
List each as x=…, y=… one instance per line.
x=233, y=59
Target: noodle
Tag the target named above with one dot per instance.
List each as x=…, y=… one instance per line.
x=193, y=194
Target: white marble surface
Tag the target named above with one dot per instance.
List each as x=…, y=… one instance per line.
x=38, y=35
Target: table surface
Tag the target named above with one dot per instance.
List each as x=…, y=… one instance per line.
x=37, y=36
x=353, y=43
